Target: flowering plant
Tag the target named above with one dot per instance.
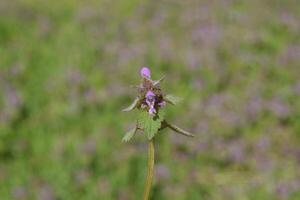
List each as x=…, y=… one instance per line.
x=151, y=101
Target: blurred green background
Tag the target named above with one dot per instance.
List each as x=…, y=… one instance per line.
x=65, y=73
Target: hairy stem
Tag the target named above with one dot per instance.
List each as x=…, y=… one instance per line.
x=150, y=171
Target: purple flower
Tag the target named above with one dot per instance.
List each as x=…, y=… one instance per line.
x=145, y=72
x=150, y=100
x=150, y=95
x=152, y=111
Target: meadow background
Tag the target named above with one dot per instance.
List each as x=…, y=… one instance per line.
x=65, y=73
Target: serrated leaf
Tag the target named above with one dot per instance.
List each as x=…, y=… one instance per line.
x=132, y=106
x=178, y=130
x=150, y=124
x=172, y=99
x=127, y=137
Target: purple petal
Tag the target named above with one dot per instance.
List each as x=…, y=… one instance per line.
x=150, y=94
x=162, y=104
x=152, y=111
x=145, y=72
x=150, y=103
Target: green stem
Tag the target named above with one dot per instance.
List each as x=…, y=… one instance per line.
x=150, y=171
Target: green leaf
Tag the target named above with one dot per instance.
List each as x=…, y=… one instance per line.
x=132, y=106
x=172, y=99
x=161, y=115
x=127, y=137
x=150, y=124
x=155, y=83
x=178, y=130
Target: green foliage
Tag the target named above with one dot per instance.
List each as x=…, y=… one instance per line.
x=159, y=81
x=172, y=99
x=179, y=130
x=150, y=124
x=129, y=134
x=132, y=106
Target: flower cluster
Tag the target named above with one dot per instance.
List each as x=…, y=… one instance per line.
x=150, y=93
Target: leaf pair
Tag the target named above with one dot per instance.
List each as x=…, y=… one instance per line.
x=151, y=127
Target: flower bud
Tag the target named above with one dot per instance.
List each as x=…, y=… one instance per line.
x=145, y=72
